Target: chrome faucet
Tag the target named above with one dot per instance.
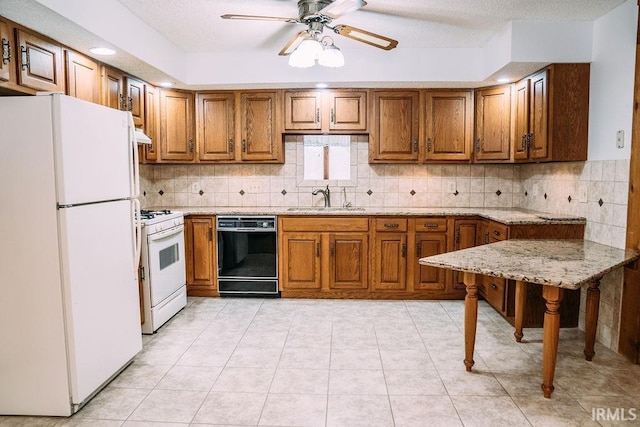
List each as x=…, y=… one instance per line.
x=327, y=196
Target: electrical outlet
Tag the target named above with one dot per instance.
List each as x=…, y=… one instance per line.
x=255, y=187
x=620, y=139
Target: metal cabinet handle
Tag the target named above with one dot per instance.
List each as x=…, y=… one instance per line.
x=391, y=225
x=317, y=114
x=231, y=145
x=317, y=249
x=25, y=57
x=191, y=146
x=429, y=145
x=130, y=106
x=415, y=145
x=403, y=250
x=523, y=142
x=333, y=116
x=494, y=286
x=478, y=145
x=486, y=238
x=496, y=232
x=418, y=250
x=210, y=234
x=457, y=236
x=530, y=140
x=430, y=225
x=6, y=51
x=244, y=145
x=122, y=102
x=332, y=249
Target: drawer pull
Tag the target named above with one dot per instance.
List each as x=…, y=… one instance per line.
x=430, y=225
x=231, y=145
x=496, y=232
x=494, y=286
x=404, y=250
x=317, y=249
x=418, y=250
x=317, y=115
x=391, y=225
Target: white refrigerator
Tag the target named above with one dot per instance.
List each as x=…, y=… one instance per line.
x=69, y=305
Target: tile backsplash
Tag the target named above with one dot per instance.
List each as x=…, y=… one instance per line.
x=597, y=190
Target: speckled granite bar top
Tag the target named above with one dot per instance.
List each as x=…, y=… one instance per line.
x=509, y=216
x=564, y=263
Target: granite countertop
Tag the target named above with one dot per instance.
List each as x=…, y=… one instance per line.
x=563, y=263
x=508, y=216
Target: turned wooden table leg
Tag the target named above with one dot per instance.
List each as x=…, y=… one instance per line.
x=470, y=318
x=521, y=299
x=553, y=296
x=591, y=318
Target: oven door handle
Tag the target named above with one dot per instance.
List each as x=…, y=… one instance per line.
x=166, y=233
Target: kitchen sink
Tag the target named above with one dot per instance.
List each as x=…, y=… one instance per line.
x=324, y=209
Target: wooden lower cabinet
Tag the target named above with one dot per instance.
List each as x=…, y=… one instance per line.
x=300, y=261
x=201, y=265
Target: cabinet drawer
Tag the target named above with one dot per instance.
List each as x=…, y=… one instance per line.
x=431, y=224
x=324, y=223
x=391, y=224
x=498, y=231
x=492, y=288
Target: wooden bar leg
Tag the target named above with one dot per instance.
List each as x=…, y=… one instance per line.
x=470, y=318
x=521, y=299
x=591, y=318
x=553, y=296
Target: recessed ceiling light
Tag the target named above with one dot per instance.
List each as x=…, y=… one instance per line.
x=102, y=51
x=166, y=84
x=503, y=80
x=321, y=85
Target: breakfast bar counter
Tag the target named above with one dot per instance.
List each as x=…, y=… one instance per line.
x=554, y=264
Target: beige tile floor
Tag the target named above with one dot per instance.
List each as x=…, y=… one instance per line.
x=286, y=362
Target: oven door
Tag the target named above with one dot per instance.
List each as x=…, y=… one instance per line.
x=166, y=263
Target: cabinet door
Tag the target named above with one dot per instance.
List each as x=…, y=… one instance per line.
x=135, y=100
x=300, y=264
x=83, y=77
x=8, y=53
x=199, y=252
x=538, y=115
x=112, y=88
x=493, y=124
x=216, y=126
x=347, y=110
x=40, y=65
x=176, y=125
x=260, y=133
x=302, y=110
x=390, y=261
x=151, y=122
x=348, y=263
x=425, y=277
x=449, y=129
x=396, y=123
x=465, y=236
x=521, y=120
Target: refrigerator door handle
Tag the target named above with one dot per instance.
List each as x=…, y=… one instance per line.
x=133, y=150
x=137, y=238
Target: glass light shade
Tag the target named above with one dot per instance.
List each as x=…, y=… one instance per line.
x=306, y=54
x=331, y=56
x=300, y=60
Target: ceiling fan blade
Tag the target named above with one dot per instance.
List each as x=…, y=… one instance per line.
x=293, y=43
x=367, y=37
x=341, y=7
x=261, y=18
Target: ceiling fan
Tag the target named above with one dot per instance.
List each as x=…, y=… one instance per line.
x=318, y=14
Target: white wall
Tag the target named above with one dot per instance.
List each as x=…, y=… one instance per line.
x=612, y=80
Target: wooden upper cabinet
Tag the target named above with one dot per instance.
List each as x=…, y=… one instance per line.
x=83, y=77
x=40, y=64
x=551, y=121
x=326, y=111
x=216, y=126
x=302, y=110
x=493, y=124
x=176, y=125
x=7, y=53
x=260, y=128
x=395, y=126
x=152, y=122
x=448, y=125
x=134, y=100
x=112, y=88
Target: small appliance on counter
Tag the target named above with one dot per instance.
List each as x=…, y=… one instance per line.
x=162, y=267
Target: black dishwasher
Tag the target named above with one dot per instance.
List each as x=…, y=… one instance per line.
x=247, y=255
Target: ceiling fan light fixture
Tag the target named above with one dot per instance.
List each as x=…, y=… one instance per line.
x=306, y=53
x=331, y=56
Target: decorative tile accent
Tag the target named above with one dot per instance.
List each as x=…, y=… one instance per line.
x=412, y=192
x=242, y=192
x=284, y=192
x=369, y=192
x=161, y=192
x=526, y=194
x=569, y=199
x=201, y=192
x=545, y=196
x=600, y=202
x=456, y=193
x=498, y=193
x=144, y=193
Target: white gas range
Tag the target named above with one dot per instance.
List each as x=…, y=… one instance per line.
x=162, y=267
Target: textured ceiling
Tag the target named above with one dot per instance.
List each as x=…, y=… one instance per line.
x=195, y=26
